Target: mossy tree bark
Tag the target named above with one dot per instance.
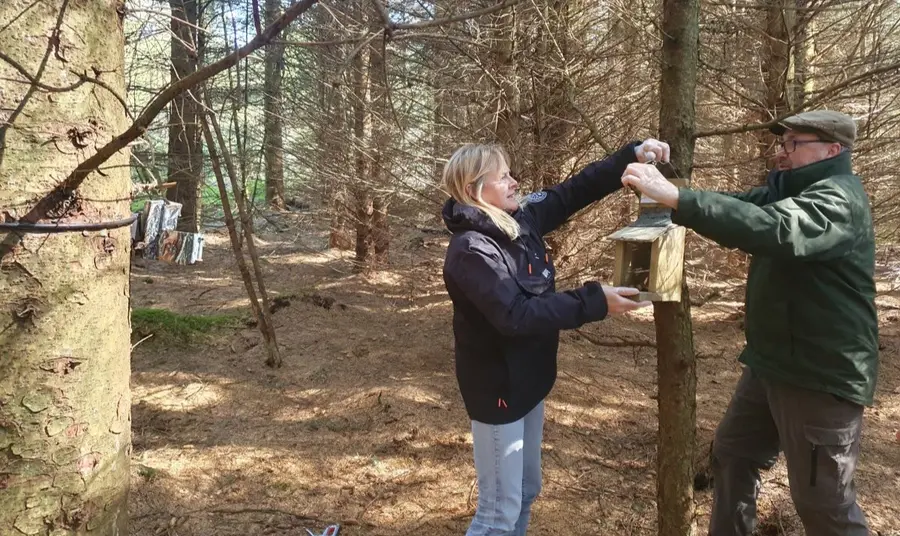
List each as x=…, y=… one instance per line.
x=65, y=407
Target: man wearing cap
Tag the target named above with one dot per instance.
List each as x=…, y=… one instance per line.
x=811, y=358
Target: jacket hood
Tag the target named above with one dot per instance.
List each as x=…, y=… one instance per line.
x=459, y=217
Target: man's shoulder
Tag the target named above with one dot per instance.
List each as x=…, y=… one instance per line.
x=846, y=183
x=845, y=192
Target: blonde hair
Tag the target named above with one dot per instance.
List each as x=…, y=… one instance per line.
x=470, y=164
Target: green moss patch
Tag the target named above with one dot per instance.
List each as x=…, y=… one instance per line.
x=168, y=326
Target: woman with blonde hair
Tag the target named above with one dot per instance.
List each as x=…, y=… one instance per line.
x=507, y=314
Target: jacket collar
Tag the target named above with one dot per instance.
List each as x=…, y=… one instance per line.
x=790, y=182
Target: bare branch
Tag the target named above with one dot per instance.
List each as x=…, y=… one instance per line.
x=595, y=133
x=52, y=43
x=104, y=85
x=385, y=18
x=396, y=37
x=347, y=41
x=34, y=81
x=620, y=343
x=263, y=311
x=458, y=18
x=169, y=16
x=822, y=96
x=78, y=175
x=82, y=78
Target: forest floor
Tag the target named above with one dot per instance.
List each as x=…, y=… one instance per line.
x=364, y=426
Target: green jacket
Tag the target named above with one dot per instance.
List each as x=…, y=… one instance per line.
x=810, y=301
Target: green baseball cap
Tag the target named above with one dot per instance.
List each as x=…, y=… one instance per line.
x=828, y=125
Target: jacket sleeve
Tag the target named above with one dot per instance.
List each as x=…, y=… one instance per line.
x=757, y=196
x=484, y=279
x=816, y=225
x=551, y=208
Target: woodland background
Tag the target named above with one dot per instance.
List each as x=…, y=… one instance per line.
x=302, y=373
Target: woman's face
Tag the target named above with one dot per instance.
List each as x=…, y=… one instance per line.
x=499, y=189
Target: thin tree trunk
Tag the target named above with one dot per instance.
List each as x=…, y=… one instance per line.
x=231, y=225
x=555, y=119
x=65, y=403
x=777, y=64
x=332, y=169
x=804, y=52
x=507, y=109
x=274, y=121
x=265, y=320
x=363, y=195
x=677, y=374
x=331, y=135
x=260, y=312
x=448, y=101
x=381, y=231
x=778, y=70
x=379, y=111
x=185, y=143
x=364, y=211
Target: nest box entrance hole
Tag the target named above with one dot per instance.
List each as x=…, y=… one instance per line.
x=634, y=267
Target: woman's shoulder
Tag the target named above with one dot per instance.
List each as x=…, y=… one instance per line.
x=471, y=241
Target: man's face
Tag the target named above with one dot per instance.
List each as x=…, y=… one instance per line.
x=798, y=149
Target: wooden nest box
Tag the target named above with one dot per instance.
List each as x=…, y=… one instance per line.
x=650, y=253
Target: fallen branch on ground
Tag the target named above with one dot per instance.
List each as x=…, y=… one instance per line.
x=620, y=343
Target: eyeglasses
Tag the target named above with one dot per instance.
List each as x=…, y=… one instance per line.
x=789, y=146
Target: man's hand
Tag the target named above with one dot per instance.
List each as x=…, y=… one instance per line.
x=652, y=151
x=617, y=303
x=650, y=182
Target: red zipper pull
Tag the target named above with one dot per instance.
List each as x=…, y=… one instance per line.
x=501, y=403
x=529, y=268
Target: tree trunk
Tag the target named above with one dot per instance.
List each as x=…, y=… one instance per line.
x=777, y=67
x=364, y=236
x=804, y=51
x=379, y=148
x=65, y=403
x=778, y=71
x=332, y=164
x=332, y=133
x=381, y=231
x=185, y=142
x=677, y=374
x=555, y=118
x=504, y=58
x=363, y=192
x=445, y=67
x=274, y=122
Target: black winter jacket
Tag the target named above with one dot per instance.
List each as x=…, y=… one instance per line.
x=506, y=312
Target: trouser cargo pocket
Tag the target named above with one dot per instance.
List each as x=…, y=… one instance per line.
x=832, y=460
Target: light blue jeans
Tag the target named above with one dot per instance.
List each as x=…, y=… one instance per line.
x=508, y=464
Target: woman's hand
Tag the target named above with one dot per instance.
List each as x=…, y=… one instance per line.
x=652, y=151
x=617, y=303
